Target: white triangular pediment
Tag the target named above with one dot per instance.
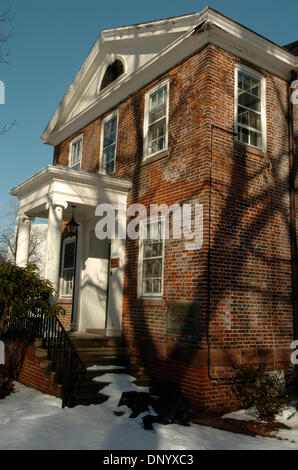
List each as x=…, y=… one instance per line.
x=136, y=45
x=135, y=54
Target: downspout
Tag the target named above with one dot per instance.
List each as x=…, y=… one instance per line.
x=293, y=226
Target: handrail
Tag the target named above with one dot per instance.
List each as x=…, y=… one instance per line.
x=61, y=351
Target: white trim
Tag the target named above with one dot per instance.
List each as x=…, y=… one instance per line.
x=225, y=33
x=146, y=117
x=73, y=141
x=58, y=185
x=101, y=165
x=143, y=221
x=65, y=242
x=253, y=73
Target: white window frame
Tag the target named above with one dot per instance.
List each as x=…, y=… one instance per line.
x=146, y=118
x=143, y=222
x=64, y=243
x=78, y=137
x=258, y=76
x=101, y=165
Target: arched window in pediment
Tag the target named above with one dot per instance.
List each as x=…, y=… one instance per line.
x=112, y=72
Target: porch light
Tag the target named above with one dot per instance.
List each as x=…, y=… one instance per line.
x=72, y=226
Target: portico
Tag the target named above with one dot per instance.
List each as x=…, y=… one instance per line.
x=50, y=194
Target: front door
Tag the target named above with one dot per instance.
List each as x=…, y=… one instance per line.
x=95, y=282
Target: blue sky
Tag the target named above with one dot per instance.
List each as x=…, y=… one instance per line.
x=51, y=40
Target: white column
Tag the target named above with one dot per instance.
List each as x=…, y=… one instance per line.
x=54, y=242
x=23, y=240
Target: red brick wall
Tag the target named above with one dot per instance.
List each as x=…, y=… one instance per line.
x=250, y=291
x=30, y=372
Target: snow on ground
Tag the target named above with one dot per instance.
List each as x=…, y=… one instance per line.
x=32, y=420
x=105, y=367
x=289, y=417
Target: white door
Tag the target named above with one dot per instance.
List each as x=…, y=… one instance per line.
x=95, y=282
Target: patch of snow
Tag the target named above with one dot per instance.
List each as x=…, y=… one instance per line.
x=289, y=417
x=242, y=415
x=31, y=420
x=107, y=367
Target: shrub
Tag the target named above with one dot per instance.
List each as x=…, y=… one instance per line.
x=245, y=380
x=264, y=390
x=23, y=292
x=6, y=387
x=292, y=382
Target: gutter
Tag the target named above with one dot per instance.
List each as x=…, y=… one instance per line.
x=293, y=226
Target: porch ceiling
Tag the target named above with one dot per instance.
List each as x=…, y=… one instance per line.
x=59, y=184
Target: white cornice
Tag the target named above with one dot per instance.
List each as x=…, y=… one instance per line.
x=50, y=173
x=222, y=32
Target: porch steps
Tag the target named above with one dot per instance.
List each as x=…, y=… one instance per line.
x=102, y=351
x=94, y=349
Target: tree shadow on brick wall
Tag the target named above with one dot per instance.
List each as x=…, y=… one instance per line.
x=241, y=240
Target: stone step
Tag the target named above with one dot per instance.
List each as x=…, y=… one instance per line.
x=96, y=331
x=95, y=342
x=143, y=382
x=41, y=353
x=46, y=365
x=90, y=374
x=90, y=386
x=90, y=399
x=58, y=389
x=101, y=351
x=106, y=360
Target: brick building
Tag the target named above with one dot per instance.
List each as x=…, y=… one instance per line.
x=187, y=110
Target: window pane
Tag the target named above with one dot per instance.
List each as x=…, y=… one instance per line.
x=69, y=252
x=110, y=128
x=110, y=167
x=243, y=135
x=109, y=153
x=157, y=120
x=249, y=110
x=250, y=101
x=152, y=258
x=249, y=84
x=255, y=139
x=76, y=152
x=249, y=118
x=68, y=268
x=158, y=104
x=67, y=282
x=157, y=249
x=156, y=285
x=156, y=137
x=109, y=145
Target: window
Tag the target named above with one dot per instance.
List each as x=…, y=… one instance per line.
x=112, y=72
x=156, y=120
x=67, y=265
x=76, y=153
x=108, y=154
x=250, y=108
x=151, y=258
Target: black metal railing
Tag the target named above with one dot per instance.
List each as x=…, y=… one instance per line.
x=61, y=351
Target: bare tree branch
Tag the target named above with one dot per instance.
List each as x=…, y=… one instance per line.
x=5, y=35
x=7, y=127
x=8, y=238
